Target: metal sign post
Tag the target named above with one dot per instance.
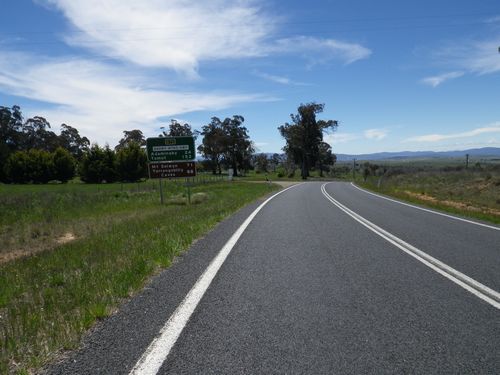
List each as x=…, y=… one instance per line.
x=171, y=157
x=161, y=192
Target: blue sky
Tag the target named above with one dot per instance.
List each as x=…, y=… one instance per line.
x=397, y=75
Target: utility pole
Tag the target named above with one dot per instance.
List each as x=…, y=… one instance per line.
x=466, y=161
x=353, y=168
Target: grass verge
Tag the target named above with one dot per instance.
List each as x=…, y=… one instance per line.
x=49, y=299
x=474, y=194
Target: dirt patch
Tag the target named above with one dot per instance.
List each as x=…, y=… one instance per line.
x=36, y=248
x=454, y=204
x=65, y=238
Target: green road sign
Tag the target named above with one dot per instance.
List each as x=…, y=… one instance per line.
x=170, y=149
x=172, y=169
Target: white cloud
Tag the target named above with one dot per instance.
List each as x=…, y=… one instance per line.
x=175, y=34
x=339, y=138
x=322, y=49
x=273, y=78
x=102, y=100
x=479, y=57
x=435, y=81
x=279, y=79
x=179, y=34
x=491, y=128
x=377, y=134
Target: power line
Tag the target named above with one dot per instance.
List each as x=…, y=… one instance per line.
x=274, y=35
x=280, y=23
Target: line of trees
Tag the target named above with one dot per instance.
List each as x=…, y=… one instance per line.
x=31, y=152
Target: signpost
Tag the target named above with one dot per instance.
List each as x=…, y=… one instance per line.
x=171, y=157
x=170, y=149
x=172, y=169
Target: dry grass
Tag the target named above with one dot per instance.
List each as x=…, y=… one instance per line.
x=474, y=192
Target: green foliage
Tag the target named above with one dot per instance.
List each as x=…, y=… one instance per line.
x=212, y=147
x=131, y=163
x=41, y=166
x=71, y=140
x=64, y=165
x=226, y=142
x=98, y=165
x=176, y=129
x=129, y=137
x=37, y=136
x=35, y=166
x=10, y=135
x=261, y=163
x=305, y=135
x=17, y=168
x=280, y=172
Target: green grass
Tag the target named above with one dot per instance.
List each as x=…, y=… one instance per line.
x=473, y=193
x=273, y=176
x=49, y=299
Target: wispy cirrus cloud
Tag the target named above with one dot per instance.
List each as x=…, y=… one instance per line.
x=463, y=57
x=175, y=34
x=179, y=35
x=103, y=100
x=326, y=49
x=282, y=80
x=435, y=81
x=490, y=128
x=376, y=134
x=339, y=138
x=478, y=57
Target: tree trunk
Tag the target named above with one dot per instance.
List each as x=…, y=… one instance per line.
x=235, y=169
x=304, y=171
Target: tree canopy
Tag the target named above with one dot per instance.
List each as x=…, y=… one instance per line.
x=176, y=129
x=226, y=142
x=304, y=135
x=129, y=137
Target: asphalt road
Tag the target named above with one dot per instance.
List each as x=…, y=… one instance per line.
x=309, y=290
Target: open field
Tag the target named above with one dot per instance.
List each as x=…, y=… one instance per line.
x=473, y=192
x=72, y=253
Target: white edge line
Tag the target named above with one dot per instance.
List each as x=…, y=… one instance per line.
x=425, y=209
x=156, y=353
x=479, y=290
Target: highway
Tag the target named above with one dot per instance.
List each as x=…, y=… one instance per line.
x=324, y=279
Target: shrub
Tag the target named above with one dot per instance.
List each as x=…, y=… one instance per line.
x=40, y=166
x=64, y=165
x=131, y=163
x=98, y=165
x=17, y=168
x=281, y=172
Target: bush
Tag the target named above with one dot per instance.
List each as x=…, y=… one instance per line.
x=98, y=165
x=64, y=165
x=131, y=163
x=33, y=166
x=17, y=168
x=281, y=172
x=40, y=166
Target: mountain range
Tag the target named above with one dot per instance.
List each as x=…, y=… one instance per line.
x=475, y=152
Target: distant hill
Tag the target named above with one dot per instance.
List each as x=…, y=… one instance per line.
x=483, y=152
